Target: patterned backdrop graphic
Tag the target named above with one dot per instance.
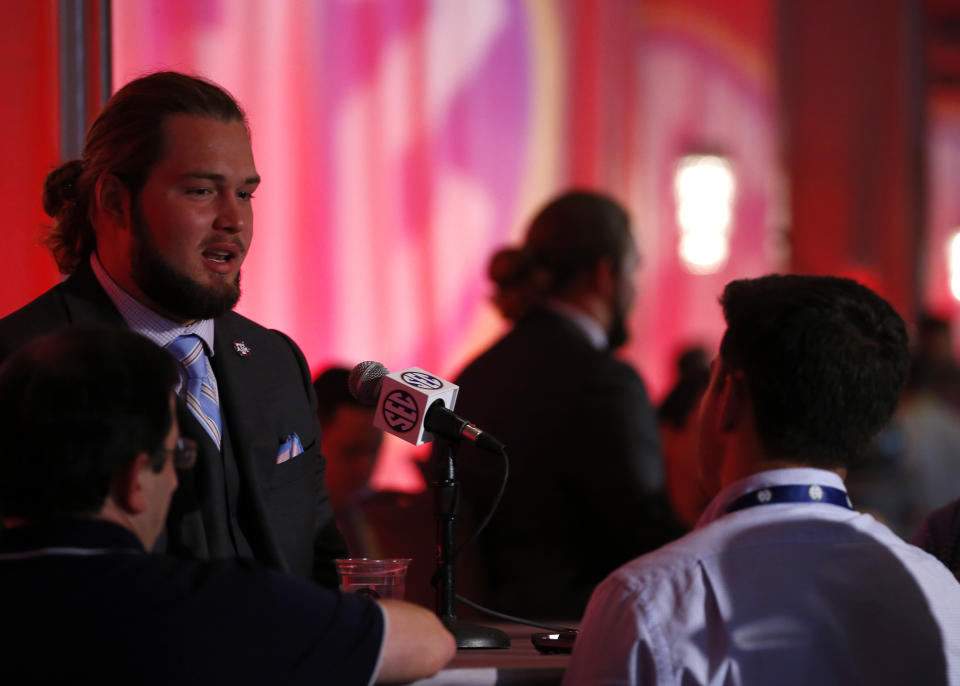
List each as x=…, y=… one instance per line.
x=402, y=141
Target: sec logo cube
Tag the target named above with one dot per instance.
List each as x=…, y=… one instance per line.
x=406, y=397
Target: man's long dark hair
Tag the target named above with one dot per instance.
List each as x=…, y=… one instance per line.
x=566, y=239
x=127, y=140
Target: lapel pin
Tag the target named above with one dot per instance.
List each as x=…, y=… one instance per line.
x=243, y=350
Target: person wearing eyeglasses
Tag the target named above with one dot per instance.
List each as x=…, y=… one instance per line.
x=90, y=455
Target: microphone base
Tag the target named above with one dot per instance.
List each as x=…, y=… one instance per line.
x=475, y=636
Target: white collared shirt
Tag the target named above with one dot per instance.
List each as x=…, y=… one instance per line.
x=786, y=593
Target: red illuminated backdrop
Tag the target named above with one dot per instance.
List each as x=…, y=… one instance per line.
x=30, y=125
x=401, y=142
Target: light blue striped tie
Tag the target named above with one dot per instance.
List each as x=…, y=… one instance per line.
x=197, y=392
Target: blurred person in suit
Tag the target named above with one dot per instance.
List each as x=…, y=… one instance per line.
x=586, y=479
x=678, y=424
x=376, y=523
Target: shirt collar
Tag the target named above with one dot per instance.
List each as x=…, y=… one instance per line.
x=774, y=477
x=587, y=324
x=69, y=532
x=145, y=321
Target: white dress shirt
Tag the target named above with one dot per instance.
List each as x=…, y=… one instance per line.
x=777, y=593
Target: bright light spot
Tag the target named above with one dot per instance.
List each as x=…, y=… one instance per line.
x=701, y=254
x=704, y=187
x=953, y=261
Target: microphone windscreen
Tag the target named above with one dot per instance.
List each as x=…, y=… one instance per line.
x=365, y=381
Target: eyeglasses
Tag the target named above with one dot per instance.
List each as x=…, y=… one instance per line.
x=185, y=454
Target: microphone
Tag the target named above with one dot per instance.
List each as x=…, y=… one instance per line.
x=414, y=405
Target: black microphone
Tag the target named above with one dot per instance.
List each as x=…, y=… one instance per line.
x=414, y=405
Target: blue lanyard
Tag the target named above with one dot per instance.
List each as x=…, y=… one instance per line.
x=805, y=493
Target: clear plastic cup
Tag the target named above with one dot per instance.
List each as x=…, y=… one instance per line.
x=376, y=578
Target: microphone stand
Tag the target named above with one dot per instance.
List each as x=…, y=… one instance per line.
x=447, y=499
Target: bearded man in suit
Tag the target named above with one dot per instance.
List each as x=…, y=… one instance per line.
x=152, y=225
x=586, y=478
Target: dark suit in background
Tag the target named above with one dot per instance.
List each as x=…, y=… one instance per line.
x=586, y=478
x=241, y=501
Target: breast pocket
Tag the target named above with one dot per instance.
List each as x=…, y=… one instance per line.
x=295, y=466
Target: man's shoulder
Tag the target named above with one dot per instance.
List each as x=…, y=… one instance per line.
x=740, y=536
x=78, y=299
x=44, y=314
x=249, y=610
x=235, y=321
x=670, y=559
x=725, y=538
x=248, y=355
x=246, y=336
x=545, y=342
x=46, y=307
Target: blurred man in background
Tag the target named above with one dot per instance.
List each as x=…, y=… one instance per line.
x=586, y=480
x=350, y=443
x=677, y=421
x=376, y=523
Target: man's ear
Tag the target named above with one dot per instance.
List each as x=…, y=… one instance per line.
x=112, y=200
x=735, y=400
x=129, y=491
x=605, y=278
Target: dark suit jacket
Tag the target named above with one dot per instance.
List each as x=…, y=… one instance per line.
x=586, y=477
x=124, y=617
x=939, y=535
x=238, y=500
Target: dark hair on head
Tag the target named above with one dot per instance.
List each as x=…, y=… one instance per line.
x=566, y=239
x=127, y=140
x=683, y=399
x=75, y=407
x=929, y=324
x=825, y=360
x=332, y=392
x=693, y=360
x=693, y=377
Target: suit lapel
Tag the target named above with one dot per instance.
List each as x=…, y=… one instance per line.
x=243, y=412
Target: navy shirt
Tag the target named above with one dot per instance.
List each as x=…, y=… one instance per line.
x=81, y=600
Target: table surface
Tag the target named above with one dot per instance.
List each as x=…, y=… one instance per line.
x=521, y=663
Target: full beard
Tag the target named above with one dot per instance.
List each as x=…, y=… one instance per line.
x=170, y=288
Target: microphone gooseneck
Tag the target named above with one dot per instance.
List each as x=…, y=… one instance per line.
x=443, y=422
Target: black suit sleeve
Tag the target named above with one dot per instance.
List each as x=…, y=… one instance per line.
x=619, y=447
x=939, y=535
